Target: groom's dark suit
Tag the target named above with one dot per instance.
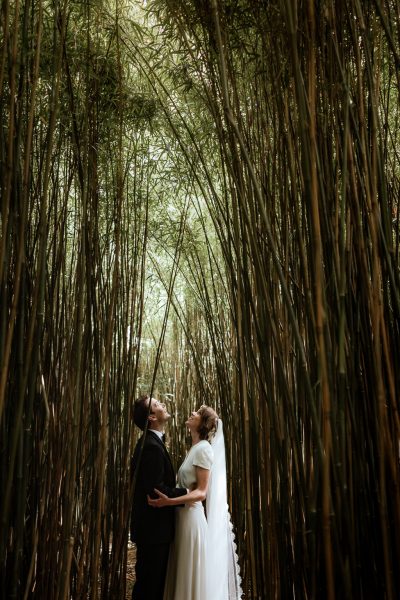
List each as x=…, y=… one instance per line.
x=152, y=529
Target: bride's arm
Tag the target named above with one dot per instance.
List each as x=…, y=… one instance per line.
x=197, y=494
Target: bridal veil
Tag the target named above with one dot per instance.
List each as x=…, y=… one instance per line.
x=223, y=577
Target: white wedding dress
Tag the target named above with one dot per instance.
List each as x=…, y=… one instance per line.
x=203, y=562
x=186, y=574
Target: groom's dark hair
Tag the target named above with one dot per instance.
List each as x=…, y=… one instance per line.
x=141, y=411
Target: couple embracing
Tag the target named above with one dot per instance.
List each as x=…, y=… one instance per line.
x=181, y=552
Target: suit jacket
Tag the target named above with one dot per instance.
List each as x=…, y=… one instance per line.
x=151, y=525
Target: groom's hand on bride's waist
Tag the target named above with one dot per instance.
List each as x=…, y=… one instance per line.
x=160, y=500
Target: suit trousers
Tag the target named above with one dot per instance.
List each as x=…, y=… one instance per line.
x=151, y=570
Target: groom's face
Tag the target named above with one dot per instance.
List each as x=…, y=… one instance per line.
x=158, y=412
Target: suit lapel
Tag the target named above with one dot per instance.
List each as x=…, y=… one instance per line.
x=166, y=453
x=156, y=437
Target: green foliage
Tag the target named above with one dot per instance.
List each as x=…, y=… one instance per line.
x=202, y=195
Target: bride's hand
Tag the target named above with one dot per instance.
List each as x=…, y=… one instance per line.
x=162, y=500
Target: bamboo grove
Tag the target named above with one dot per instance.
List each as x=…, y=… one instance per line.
x=201, y=196
x=74, y=212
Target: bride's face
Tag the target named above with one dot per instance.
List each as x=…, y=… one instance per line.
x=193, y=421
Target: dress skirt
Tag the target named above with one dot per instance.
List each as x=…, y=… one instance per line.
x=186, y=573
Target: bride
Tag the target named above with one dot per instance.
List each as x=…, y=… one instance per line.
x=203, y=561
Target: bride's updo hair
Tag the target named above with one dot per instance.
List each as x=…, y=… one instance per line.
x=208, y=422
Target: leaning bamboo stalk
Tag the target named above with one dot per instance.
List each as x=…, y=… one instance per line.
x=319, y=284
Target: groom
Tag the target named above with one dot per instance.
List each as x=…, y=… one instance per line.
x=152, y=529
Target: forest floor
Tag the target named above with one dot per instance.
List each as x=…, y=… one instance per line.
x=130, y=570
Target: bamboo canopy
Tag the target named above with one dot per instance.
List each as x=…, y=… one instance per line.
x=201, y=198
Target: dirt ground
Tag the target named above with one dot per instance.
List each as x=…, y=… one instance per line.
x=130, y=571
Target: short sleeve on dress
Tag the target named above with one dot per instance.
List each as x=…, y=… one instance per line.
x=204, y=456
